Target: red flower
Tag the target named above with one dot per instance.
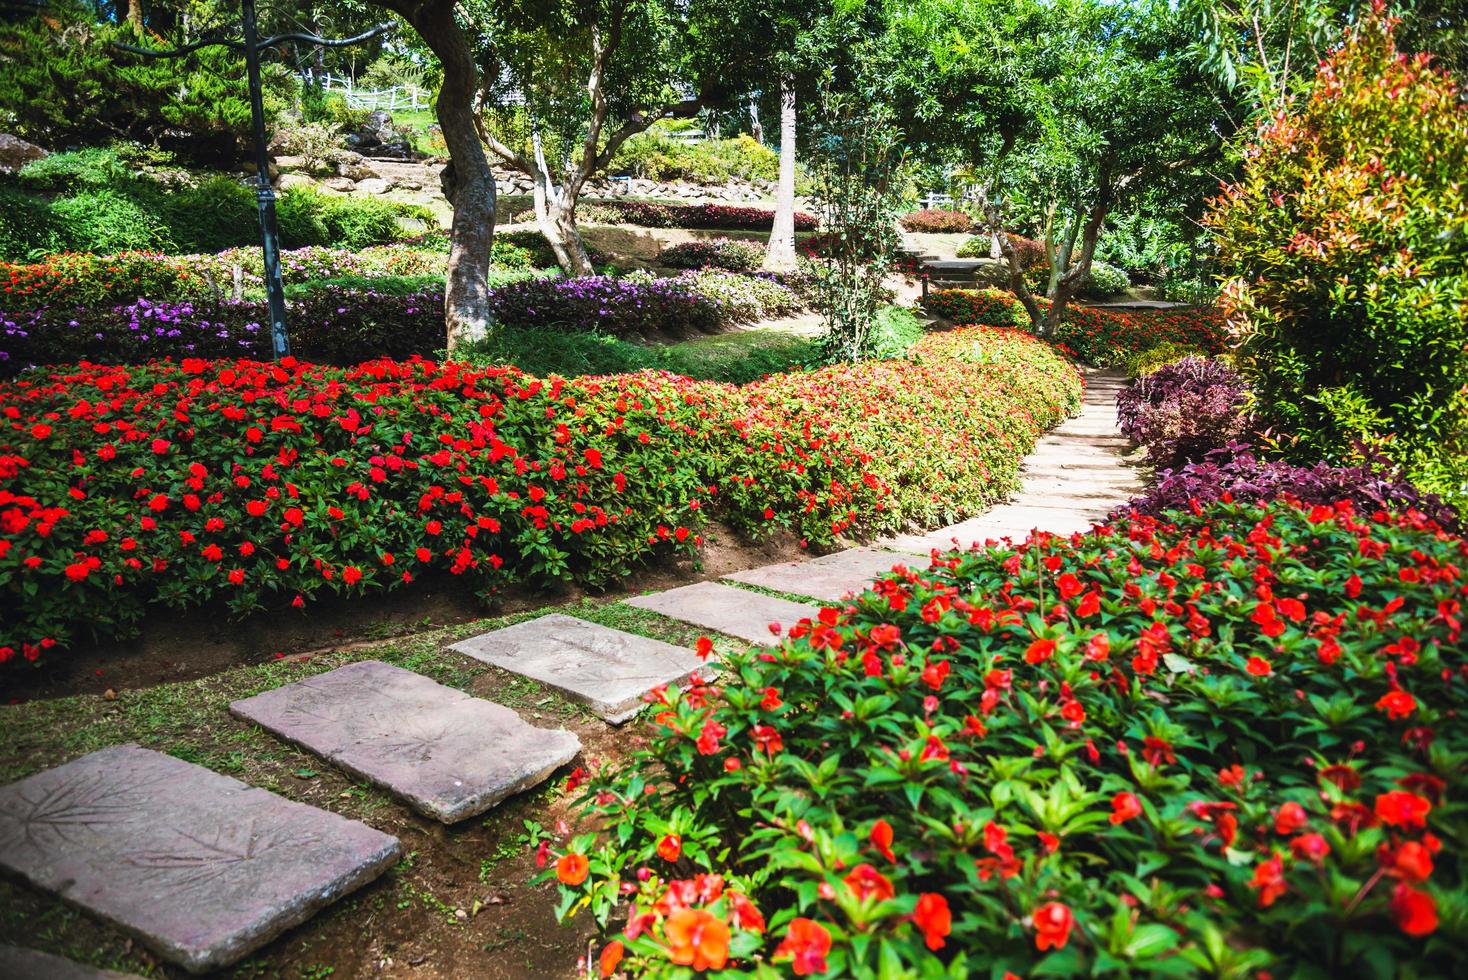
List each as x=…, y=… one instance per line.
x=1415, y=911
x=1399, y=808
x=1289, y=819
x=670, y=848
x=1310, y=847
x=1053, y=922
x=1259, y=667
x=1269, y=880
x=806, y=944
x=1410, y=861
x=1039, y=651
x=881, y=837
x=934, y=919
x=867, y=882
x=1125, y=806
x=1396, y=704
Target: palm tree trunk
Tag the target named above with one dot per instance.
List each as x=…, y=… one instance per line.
x=780, y=256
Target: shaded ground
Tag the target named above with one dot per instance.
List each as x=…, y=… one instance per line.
x=458, y=905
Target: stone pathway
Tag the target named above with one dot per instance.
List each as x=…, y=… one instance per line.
x=30, y=964
x=607, y=670
x=204, y=869
x=200, y=867
x=448, y=755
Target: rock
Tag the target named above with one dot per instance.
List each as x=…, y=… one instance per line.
x=344, y=185
x=200, y=867
x=449, y=755
x=287, y=162
x=830, y=577
x=408, y=185
x=373, y=185
x=606, y=669
x=735, y=612
x=294, y=180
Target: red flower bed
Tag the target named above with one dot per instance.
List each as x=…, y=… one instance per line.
x=1096, y=336
x=264, y=485
x=1221, y=746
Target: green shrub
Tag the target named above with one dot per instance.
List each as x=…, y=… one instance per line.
x=1347, y=240
x=657, y=156
x=1144, y=362
x=90, y=168
x=24, y=219
x=1031, y=252
x=216, y=213
x=1104, y=280
x=105, y=221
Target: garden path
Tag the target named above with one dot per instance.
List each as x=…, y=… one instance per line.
x=205, y=843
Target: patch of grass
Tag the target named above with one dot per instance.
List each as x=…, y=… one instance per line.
x=735, y=358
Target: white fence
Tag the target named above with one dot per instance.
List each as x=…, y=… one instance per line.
x=395, y=99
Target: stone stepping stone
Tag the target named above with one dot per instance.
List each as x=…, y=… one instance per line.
x=606, y=669
x=200, y=867
x=725, y=609
x=831, y=577
x=449, y=755
x=32, y=964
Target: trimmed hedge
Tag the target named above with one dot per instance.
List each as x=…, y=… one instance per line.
x=720, y=253
x=267, y=485
x=1223, y=744
x=936, y=220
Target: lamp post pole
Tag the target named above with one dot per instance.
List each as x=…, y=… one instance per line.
x=280, y=344
x=251, y=45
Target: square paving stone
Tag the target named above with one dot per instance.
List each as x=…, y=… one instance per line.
x=31, y=964
x=606, y=669
x=725, y=609
x=447, y=754
x=830, y=577
x=200, y=867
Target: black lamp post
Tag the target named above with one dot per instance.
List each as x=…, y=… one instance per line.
x=252, y=45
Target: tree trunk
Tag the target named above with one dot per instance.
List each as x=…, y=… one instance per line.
x=555, y=216
x=135, y=16
x=756, y=129
x=1071, y=279
x=468, y=180
x=780, y=257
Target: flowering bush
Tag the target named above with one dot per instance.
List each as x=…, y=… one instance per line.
x=333, y=325
x=721, y=253
x=1184, y=410
x=743, y=299
x=85, y=279
x=262, y=485
x=1220, y=746
x=1096, y=336
x=655, y=214
x=935, y=220
x=645, y=305
x=1347, y=236
x=1031, y=253
x=1236, y=473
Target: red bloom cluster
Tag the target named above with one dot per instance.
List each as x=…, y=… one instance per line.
x=267, y=484
x=1255, y=703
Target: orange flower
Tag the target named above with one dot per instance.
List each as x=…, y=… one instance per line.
x=932, y=916
x=670, y=848
x=1124, y=806
x=882, y=839
x=1270, y=880
x=611, y=957
x=806, y=943
x=1039, y=651
x=698, y=939
x=572, y=869
x=1053, y=922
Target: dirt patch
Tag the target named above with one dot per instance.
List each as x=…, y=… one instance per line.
x=179, y=646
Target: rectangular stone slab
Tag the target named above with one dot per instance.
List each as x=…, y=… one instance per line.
x=725, y=609
x=31, y=964
x=200, y=867
x=607, y=670
x=447, y=754
x=830, y=577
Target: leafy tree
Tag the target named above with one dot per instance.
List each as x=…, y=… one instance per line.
x=1347, y=238
x=1066, y=110
x=573, y=80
